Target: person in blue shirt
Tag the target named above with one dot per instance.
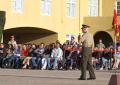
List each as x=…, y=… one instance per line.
x=117, y=58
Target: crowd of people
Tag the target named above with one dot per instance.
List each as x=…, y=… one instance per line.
x=54, y=56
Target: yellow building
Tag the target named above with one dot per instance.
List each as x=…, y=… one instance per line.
x=35, y=21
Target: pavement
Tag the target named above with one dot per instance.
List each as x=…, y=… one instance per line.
x=51, y=77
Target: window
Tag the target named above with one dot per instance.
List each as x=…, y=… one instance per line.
x=93, y=7
x=45, y=7
x=17, y=6
x=71, y=8
x=118, y=8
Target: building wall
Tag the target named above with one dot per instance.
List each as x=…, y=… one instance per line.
x=100, y=24
x=58, y=21
x=107, y=7
x=47, y=40
x=103, y=22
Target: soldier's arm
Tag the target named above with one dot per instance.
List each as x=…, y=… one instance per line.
x=93, y=45
x=82, y=39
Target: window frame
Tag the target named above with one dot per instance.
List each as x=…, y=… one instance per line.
x=46, y=7
x=17, y=6
x=118, y=8
x=93, y=5
x=71, y=8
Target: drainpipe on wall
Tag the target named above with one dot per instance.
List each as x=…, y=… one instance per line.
x=2, y=24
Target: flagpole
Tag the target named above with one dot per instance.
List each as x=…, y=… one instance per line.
x=114, y=80
x=115, y=51
x=116, y=29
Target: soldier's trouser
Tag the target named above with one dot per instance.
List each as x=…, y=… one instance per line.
x=87, y=63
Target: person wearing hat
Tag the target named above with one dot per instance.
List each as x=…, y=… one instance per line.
x=87, y=45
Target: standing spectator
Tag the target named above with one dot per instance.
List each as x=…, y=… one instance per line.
x=100, y=46
x=12, y=40
x=72, y=42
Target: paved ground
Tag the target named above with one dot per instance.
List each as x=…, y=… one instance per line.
x=46, y=77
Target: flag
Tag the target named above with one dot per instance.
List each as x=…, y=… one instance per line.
x=115, y=22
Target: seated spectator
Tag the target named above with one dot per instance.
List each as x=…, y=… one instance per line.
x=47, y=53
x=46, y=64
x=37, y=60
x=56, y=55
x=9, y=53
x=117, y=58
x=105, y=61
x=23, y=53
x=2, y=54
x=73, y=57
x=14, y=59
x=27, y=59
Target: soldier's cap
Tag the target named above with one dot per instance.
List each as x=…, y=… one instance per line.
x=85, y=26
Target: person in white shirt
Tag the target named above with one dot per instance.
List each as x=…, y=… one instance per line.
x=56, y=55
x=12, y=41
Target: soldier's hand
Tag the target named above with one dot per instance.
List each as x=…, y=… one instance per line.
x=79, y=36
